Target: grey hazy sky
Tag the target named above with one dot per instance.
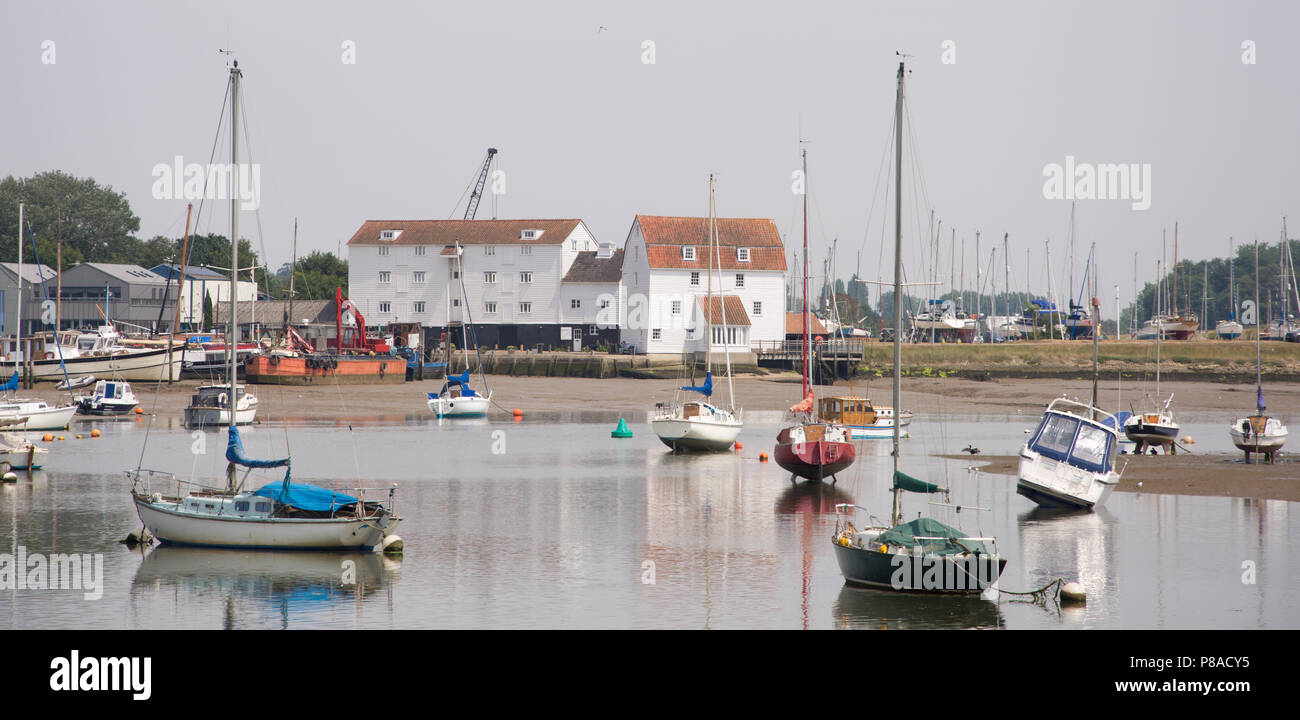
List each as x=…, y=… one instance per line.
x=585, y=129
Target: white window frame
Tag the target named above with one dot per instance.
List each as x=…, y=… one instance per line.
x=419, y=249
x=742, y=254
x=688, y=253
x=677, y=307
x=526, y=277
x=419, y=306
x=490, y=308
x=526, y=250
x=575, y=304
x=656, y=334
x=385, y=306
x=418, y=277
x=740, y=280
x=490, y=278
x=489, y=249
x=383, y=250
x=695, y=279
x=525, y=308
x=385, y=277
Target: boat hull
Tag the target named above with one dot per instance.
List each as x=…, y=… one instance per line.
x=217, y=417
x=476, y=406
x=334, y=370
x=106, y=409
x=926, y=573
x=696, y=434
x=57, y=418
x=176, y=528
x=134, y=365
x=815, y=460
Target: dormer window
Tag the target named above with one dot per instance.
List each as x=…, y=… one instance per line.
x=742, y=254
x=688, y=253
x=530, y=234
x=389, y=234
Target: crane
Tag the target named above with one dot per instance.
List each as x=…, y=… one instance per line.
x=472, y=208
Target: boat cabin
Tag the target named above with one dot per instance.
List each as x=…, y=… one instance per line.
x=242, y=505
x=846, y=410
x=215, y=396
x=1078, y=441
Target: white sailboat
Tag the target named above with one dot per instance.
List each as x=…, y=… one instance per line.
x=1157, y=427
x=698, y=424
x=279, y=515
x=456, y=398
x=1259, y=433
x=1230, y=329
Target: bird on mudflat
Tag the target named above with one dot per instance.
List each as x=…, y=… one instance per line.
x=970, y=449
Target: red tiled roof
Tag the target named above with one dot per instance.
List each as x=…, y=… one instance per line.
x=468, y=232
x=665, y=236
x=794, y=324
x=735, y=310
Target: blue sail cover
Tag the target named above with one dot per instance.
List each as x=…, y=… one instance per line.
x=462, y=380
x=11, y=385
x=1120, y=417
x=1259, y=399
x=305, y=496
x=706, y=389
x=235, y=454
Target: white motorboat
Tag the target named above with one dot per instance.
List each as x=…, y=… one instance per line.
x=210, y=407
x=110, y=397
x=1069, y=461
x=25, y=414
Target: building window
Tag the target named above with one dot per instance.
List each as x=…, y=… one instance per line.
x=604, y=304
x=758, y=307
x=526, y=250
x=742, y=254
x=385, y=307
x=418, y=276
x=525, y=277
x=573, y=244
x=489, y=249
x=388, y=235
x=695, y=279
x=655, y=334
x=591, y=330
x=688, y=253
x=385, y=277
x=530, y=234
x=419, y=307
x=740, y=280
x=677, y=307
x=455, y=302
x=455, y=274
x=490, y=308
x=383, y=250
x=419, y=249
x=490, y=278
x=575, y=304
x=525, y=308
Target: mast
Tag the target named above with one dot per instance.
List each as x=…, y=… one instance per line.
x=708, y=316
x=1096, y=318
x=1006, y=279
x=231, y=339
x=1174, y=289
x=1160, y=331
x=18, y=332
x=180, y=288
x=1259, y=371
x=293, y=271
x=897, y=513
x=806, y=352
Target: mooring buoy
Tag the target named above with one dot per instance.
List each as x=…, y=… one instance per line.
x=622, y=430
x=1074, y=593
x=393, y=545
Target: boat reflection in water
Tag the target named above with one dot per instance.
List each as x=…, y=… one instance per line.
x=261, y=589
x=1075, y=545
x=859, y=608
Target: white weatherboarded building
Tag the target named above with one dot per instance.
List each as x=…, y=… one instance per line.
x=666, y=279
x=408, y=271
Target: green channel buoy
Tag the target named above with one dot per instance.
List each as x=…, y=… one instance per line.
x=621, y=431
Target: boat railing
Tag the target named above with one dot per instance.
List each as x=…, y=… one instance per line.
x=1077, y=407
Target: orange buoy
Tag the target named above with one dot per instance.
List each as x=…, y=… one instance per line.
x=139, y=411
x=739, y=446
x=762, y=457
x=48, y=437
x=95, y=433
x=518, y=413
x=78, y=437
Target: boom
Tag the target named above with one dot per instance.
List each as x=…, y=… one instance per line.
x=472, y=208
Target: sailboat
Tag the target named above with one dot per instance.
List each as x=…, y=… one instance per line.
x=699, y=424
x=921, y=555
x=1230, y=329
x=1069, y=460
x=813, y=449
x=278, y=515
x=456, y=398
x=1079, y=323
x=1155, y=428
x=1258, y=433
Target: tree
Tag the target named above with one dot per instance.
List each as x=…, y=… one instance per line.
x=93, y=222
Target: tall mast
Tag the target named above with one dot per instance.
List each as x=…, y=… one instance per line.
x=708, y=316
x=231, y=339
x=1259, y=371
x=807, y=347
x=898, y=280
x=18, y=332
x=1160, y=331
x=1174, y=293
x=293, y=270
x=1096, y=324
x=722, y=302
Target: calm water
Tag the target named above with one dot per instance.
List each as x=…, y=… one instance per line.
x=549, y=522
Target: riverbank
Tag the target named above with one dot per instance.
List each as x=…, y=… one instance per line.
x=1215, y=475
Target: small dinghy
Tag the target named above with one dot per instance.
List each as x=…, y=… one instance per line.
x=76, y=382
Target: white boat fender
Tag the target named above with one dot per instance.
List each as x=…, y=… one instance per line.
x=10, y=476
x=1073, y=593
x=392, y=545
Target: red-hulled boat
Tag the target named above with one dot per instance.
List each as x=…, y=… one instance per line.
x=811, y=449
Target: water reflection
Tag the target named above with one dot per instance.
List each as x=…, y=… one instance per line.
x=1075, y=545
x=869, y=609
x=284, y=589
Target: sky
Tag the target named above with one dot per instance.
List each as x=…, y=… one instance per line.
x=601, y=111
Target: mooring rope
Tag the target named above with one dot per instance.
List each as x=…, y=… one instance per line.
x=1041, y=594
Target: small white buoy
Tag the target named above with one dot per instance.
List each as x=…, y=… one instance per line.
x=1139, y=483
x=10, y=476
x=1189, y=440
x=1073, y=592
x=392, y=545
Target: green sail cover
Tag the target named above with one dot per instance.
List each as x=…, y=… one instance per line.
x=905, y=536
x=903, y=481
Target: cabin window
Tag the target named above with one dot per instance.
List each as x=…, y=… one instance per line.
x=263, y=507
x=1055, y=435
x=208, y=506
x=1090, y=448
x=241, y=506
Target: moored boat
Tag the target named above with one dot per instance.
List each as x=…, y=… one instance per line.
x=110, y=397
x=1069, y=460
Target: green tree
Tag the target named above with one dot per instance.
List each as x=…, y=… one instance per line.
x=94, y=222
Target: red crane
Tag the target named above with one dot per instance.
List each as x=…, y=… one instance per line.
x=360, y=342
